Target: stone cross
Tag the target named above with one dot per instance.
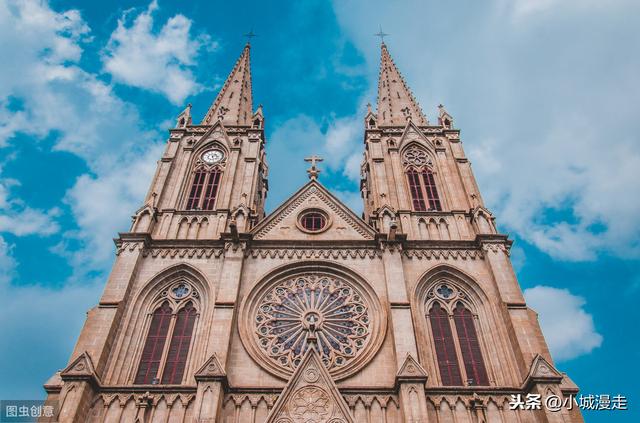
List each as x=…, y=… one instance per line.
x=313, y=171
x=381, y=35
x=249, y=35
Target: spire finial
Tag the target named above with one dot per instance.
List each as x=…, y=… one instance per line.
x=313, y=171
x=249, y=35
x=381, y=34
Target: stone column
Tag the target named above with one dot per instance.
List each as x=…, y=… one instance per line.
x=211, y=377
x=410, y=382
x=400, y=308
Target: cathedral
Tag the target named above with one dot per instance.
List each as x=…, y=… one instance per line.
x=215, y=311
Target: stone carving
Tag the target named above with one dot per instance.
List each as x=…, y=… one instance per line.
x=310, y=396
x=303, y=253
x=312, y=306
x=415, y=156
x=442, y=254
x=310, y=404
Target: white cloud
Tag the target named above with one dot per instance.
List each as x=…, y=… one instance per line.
x=103, y=205
x=18, y=219
x=547, y=109
x=7, y=262
x=159, y=61
x=42, y=48
x=342, y=137
x=339, y=144
x=567, y=327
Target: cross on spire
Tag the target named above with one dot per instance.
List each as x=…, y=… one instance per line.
x=313, y=171
x=381, y=34
x=249, y=35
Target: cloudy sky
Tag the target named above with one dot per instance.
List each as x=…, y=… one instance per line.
x=546, y=93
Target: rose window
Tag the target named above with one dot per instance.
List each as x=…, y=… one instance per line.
x=308, y=309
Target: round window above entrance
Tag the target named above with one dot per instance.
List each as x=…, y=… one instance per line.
x=313, y=221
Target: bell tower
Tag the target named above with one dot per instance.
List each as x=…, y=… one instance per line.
x=416, y=180
x=212, y=177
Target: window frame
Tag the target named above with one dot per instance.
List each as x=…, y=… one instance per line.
x=176, y=305
x=209, y=188
x=449, y=306
x=427, y=188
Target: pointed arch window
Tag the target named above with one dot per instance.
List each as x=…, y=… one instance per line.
x=455, y=338
x=166, y=348
x=422, y=186
x=469, y=346
x=179, y=346
x=445, y=346
x=154, y=345
x=205, y=181
x=421, y=179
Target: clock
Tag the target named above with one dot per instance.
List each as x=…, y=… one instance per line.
x=212, y=156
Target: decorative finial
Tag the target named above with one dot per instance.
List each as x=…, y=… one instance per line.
x=381, y=34
x=249, y=35
x=313, y=171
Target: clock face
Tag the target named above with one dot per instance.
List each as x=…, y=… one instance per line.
x=213, y=156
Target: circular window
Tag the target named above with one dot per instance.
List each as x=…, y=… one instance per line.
x=313, y=221
x=285, y=316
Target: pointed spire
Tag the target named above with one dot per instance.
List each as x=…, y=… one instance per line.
x=234, y=104
x=396, y=104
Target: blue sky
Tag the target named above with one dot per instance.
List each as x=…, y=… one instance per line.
x=546, y=93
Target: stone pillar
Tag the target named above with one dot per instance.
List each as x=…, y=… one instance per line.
x=400, y=308
x=410, y=381
x=211, y=377
x=211, y=380
x=79, y=384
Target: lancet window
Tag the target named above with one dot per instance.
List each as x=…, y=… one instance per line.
x=455, y=337
x=205, y=180
x=421, y=180
x=166, y=347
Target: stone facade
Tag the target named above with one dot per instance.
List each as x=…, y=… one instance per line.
x=327, y=320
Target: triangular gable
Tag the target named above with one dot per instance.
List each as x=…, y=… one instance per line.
x=283, y=224
x=412, y=133
x=411, y=370
x=211, y=369
x=80, y=369
x=216, y=132
x=310, y=396
x=540, y=368
x=541, y=371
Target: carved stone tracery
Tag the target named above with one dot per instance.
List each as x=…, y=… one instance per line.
x=319, y=306
x=314, y=304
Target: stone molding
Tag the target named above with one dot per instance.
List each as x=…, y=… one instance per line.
x=290, y=253
x=435, y=254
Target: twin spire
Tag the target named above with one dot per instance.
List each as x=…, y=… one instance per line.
x=396, y=103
